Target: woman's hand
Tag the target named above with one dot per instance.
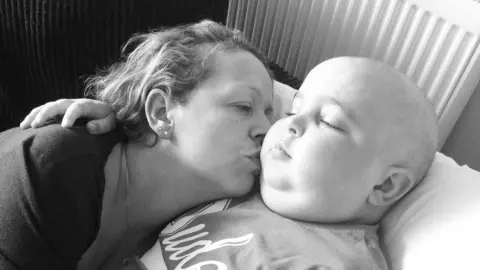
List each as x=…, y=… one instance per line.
x=101, y=115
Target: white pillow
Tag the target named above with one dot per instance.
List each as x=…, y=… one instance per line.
x=435, y=226
x=283, y=99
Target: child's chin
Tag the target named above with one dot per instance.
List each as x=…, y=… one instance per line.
x=275, y=201
x=276, y=183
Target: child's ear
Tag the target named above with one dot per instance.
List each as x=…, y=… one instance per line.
x=396, y=183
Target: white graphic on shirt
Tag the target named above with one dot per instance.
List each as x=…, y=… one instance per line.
x=186, y=253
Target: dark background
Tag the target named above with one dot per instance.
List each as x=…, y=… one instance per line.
x=49, y=47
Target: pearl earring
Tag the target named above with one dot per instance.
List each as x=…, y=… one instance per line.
x=164, y=132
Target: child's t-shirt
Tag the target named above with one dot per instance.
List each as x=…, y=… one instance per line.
x=244, y=234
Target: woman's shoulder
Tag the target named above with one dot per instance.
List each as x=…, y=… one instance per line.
x=53, y=143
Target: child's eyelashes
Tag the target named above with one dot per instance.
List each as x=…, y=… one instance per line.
x=322, y=121
x=330, y=125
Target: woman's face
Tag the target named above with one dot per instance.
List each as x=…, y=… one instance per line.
x=219, y=131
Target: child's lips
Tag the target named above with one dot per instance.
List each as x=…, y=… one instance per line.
x=279, y=152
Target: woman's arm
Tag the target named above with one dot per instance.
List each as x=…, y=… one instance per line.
x=102, y=119
x=100, y=114
x=51, y=190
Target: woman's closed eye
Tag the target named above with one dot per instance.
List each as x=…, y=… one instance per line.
x=243, y=107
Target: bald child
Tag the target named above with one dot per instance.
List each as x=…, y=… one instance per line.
x=360, y=135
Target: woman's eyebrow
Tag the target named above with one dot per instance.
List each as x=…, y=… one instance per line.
x=255, y=90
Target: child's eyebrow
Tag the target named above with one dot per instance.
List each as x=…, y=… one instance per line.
x=348, y=112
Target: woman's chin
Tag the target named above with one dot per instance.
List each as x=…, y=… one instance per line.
x=242, y=186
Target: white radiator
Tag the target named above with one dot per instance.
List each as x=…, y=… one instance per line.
x=434, y=42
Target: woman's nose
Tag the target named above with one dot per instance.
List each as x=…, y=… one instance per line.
x=259, y=140
x=262, y=125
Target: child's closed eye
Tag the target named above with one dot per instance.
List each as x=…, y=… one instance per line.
x=330, y=125
x=323, y=121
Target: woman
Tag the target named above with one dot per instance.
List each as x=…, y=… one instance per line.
x=194, y=103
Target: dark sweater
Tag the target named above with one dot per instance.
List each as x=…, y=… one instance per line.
x=51, y=189
x=49, y=47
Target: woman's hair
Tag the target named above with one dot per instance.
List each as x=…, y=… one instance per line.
x=174, y=60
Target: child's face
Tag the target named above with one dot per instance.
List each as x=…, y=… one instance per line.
x=320, y=163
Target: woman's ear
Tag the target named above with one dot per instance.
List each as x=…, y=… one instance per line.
x=396, y=183
x=158, y=107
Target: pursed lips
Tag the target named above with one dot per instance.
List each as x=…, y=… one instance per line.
x=254, y=156
x=279, y=151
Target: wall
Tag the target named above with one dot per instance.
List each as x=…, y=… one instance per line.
x=463, y=144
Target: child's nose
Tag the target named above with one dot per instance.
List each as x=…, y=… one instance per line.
x=296, y=126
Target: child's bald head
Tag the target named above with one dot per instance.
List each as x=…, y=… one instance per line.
x=404, y=114
x=362, y=135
